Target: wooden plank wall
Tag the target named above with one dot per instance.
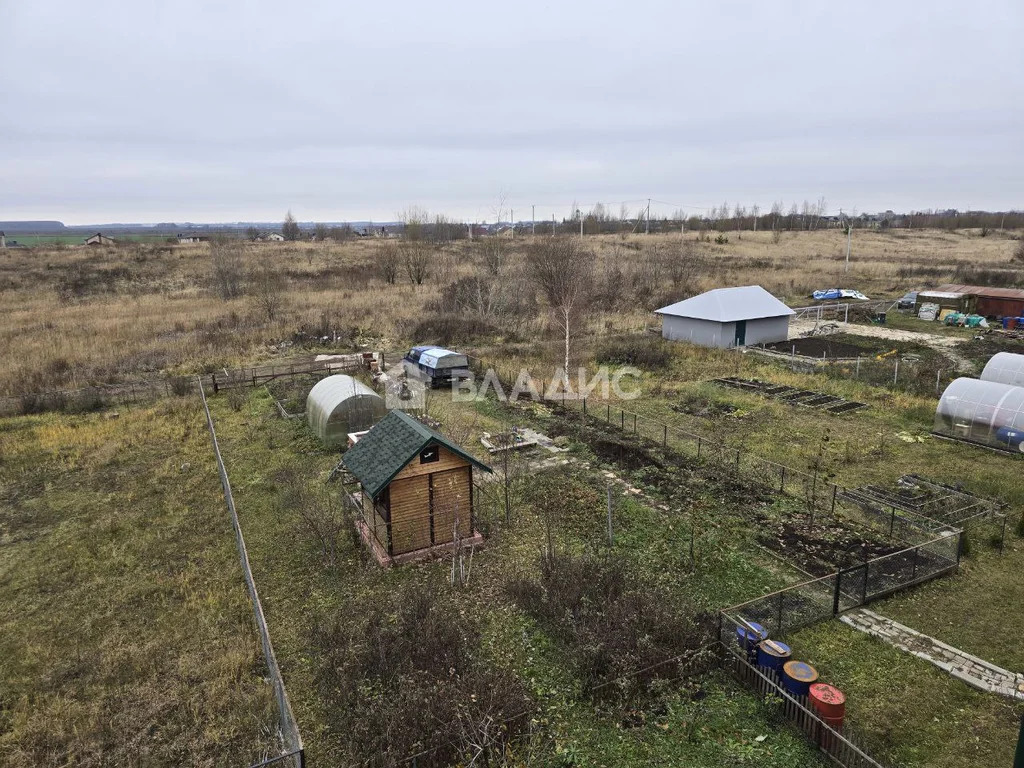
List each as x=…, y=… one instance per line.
x=410, y=514
x=450, y=494
x=446, y=460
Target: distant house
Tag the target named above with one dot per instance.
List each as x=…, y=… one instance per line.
x=727, y=317
x=3, y=240
x=100, y=239
x=270, y=237
x=182, y=239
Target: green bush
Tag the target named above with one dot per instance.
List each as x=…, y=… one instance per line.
x=624, y=636
x=646, y=352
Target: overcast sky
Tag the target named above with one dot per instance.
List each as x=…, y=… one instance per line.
x=144, y=110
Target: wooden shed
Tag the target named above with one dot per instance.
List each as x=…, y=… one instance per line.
x=416, y=487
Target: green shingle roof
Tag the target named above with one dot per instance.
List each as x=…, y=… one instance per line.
x=391, y=444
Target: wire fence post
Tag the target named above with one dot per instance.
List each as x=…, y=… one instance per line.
x=835, y=490
x=611, y=536
x=835, y=593
x=782, y=483
x=664, y=436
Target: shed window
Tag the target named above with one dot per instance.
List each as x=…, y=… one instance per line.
x=430, y=454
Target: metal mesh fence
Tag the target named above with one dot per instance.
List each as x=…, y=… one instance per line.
x=809, y=602
x=838, y=742
x=291, y=740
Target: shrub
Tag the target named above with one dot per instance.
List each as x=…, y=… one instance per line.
x=447, y=328
x=644, y=352
x=409, y=674
x=623, y=635
x=182, y=385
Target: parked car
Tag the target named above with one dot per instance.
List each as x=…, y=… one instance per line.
x=908, y=301
x=436, y=366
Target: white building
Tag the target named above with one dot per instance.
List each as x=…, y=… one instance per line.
x=727, y=317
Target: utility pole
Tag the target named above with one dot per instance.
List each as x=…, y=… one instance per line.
x=552, y=225
x=849, y=235
x=647, y=225
x=512, y=216
x=533, y=220
x=581, y=224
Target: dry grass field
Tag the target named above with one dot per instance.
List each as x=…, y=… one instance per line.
x=127, y=637
x=76, y=316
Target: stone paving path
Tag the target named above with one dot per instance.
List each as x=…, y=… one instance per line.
x=970, y=669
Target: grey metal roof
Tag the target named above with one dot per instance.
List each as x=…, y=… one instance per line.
x=726, y=305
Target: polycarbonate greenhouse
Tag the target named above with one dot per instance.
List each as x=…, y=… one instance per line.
x=339, y=405
x=1006, y=368
x=984, y=412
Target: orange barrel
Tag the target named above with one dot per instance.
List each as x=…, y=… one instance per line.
x=772, y=654
x=828, y=701
x=797, y=677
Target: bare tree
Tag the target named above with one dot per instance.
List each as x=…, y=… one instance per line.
x=417, y=256
x=562, y=269
x=388, y=262
x=252, y=234
x=267, y=292
x=228, y=268
x=494, y=254
x=415, y=222
x=290, y=229
x=321, y=232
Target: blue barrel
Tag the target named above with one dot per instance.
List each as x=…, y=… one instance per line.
x=1010, y=436
x=749, y=638
x=797, y=677
x=773, y=654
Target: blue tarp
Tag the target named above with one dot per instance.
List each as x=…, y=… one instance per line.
x=832, y=294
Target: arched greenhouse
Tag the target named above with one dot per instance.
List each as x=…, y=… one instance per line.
x=984, y=412
x=339, y=405
x=1006, y=368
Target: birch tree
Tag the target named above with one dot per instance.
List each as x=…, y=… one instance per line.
x=562, y=269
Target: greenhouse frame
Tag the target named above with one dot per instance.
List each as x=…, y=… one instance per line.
x=1006, y=368
x=985, y=412
x=339, y=405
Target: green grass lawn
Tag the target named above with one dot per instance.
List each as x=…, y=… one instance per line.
x=907, y=712
x=126, y=634
x=722, y=726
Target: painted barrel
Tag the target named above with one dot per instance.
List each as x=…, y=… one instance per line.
x=1011, y=436
x=749, y=638
x=772, y=654
x=828, y=701
x=797, y=677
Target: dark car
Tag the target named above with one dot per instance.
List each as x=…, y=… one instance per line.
x=908, y=301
